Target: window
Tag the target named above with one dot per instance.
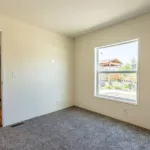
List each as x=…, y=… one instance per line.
x=116, y=71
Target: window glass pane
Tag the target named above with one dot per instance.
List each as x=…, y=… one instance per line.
x=121, y=57
x=121, y=85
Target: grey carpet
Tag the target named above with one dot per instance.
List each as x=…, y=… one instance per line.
x=74, y=129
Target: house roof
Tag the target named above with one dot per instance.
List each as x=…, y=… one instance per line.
x=110, y=62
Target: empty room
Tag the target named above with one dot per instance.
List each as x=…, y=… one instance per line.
x=74, y=75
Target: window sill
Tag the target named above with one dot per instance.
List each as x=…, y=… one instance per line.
x=122, y=100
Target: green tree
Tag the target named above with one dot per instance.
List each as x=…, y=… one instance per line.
x=126, y=67
x=133, y=61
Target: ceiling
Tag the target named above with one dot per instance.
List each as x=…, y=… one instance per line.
x=73, y=17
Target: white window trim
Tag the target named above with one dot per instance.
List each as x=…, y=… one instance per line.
x=118, y=99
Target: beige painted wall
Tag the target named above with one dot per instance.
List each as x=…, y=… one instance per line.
x=0, y=69
x=84, y=71
x=33, y=85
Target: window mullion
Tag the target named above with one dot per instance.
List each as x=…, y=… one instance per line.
x=107, y=72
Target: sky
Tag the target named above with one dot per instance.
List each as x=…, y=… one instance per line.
x=124, y=52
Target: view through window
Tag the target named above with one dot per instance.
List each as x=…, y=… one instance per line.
x=116, y=71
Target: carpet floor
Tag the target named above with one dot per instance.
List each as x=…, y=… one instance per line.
x=74, y=129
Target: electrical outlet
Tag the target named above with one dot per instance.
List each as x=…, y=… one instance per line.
x=125, y=110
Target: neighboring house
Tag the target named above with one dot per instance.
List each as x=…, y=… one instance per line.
x=110, y=65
